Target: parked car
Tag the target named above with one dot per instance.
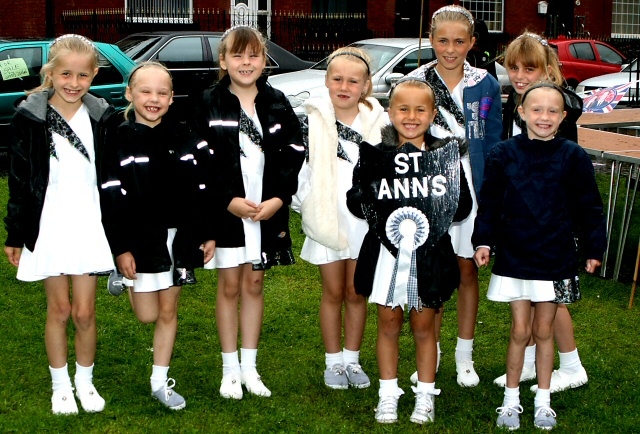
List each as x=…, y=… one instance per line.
x=110, y=83
x=192, y=58
x=584, y=58
x=391, y=59
x=628, y=75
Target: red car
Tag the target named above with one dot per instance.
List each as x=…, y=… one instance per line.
x=586, y=58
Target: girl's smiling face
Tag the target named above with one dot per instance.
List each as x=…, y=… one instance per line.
x=543, y=111
x=244, y=68
x=521, y=76
x=151, y=94
x=71, y=79
x=451, y=41
x=411, y=111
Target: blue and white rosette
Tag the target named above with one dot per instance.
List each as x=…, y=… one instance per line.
x=407, y=228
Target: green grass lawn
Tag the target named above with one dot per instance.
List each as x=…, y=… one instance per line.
x=291, y=361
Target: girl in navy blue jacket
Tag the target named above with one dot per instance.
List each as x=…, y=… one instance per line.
x=539, y=194
x=258, y=154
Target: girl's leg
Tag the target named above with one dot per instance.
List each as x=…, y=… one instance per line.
x=468, y=298
x=229, y=281
x=510, y=410
x=251, y=315
x=545, y=312
x=571, y=373
x=423, y=329
x=333, y=297
x=529, y=365
x=83, y=312
x=55, y=340
x=389, y=327
x=355, y=317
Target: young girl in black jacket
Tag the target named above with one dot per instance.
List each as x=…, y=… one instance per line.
x=258, y=154
x=157, y=217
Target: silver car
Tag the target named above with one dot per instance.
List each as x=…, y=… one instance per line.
x=628, y=74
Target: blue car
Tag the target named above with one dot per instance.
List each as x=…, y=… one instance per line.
x=20, y=64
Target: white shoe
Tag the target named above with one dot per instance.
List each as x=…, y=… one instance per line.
x=231, y=386
x=467, y=376
x=252, y=381
x=63, y=402
x=90, y=399
x=425, y=408
x=562, y=381
x=387, y=409
x=526, y=375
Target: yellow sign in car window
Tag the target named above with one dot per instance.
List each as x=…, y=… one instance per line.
x=13, y=68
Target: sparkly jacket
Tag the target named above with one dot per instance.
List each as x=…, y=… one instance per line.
x=537, y=198
x=437, y=269
x=156, y=179
x=29, y=163
x=217, y=120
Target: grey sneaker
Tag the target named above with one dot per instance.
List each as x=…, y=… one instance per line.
x=115, y=284
x=356, y=376
x=170, y=397
x=509, y=417
x=544, y=418
x=335, y=377
x=425, y=409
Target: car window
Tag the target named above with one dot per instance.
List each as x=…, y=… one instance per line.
x=410, y=62
x=107, y=74
x=32, y=57
x=181, y=51
x=214, y=43
x=608, y=55
x=136, y=47
x=582, y=51
x=380, y=55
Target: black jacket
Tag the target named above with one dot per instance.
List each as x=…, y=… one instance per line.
x=537, y=197
x=437, y=267
x=217, y=121
x=29, y=163
x=157, y=178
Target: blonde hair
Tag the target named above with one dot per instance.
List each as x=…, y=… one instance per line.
x=61, y=47
x=413, y=82
x=360, y=56
x=453, y=13
x=134, y=72
x=533, y=51
x=237, y=39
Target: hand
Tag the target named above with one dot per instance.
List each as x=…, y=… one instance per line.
x=13, y=254
x=592, y=264
x=243, y=208
x=127, y=265
x=482, y=256
x=267, y=209
x=209, y=248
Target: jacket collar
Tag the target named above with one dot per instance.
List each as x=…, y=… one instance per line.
x=35, y=106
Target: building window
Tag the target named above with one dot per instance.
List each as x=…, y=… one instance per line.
x=625, y=20
x=159, y=11
x=490, y=11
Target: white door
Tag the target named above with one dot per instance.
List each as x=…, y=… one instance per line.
x=255, y=13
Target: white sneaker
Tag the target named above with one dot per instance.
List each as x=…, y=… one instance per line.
x=63, y=402
x=387, y=409
x=231, y=386
x=467, y=376
x=252, y=381
x=425, y=408
x=562, y=381
x=526, y=375
x=90, y=399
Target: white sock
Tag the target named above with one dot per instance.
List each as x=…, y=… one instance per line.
x=84, y=376
x=511, y=397
x=60, y=378
x=159, y=376
x=248, y=359
x=542, y=399
x=425, y=387
x=230, y=363
x=350, y=356
x=570, y=362
x=331, y=359
x=464, y=348
x=530, y=356
x=388, y=387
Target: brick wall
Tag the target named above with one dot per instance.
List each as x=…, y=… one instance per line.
x=14, y=22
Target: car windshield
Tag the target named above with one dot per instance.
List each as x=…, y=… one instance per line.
x=380, y=56
x=136, y=46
